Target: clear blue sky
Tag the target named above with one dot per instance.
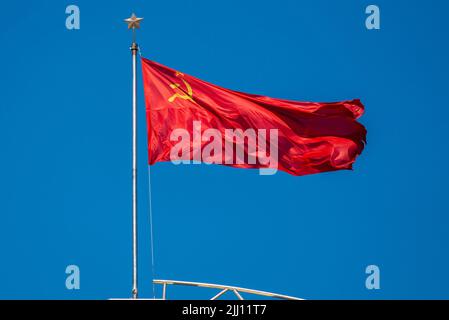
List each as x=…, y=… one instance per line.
x=65, y=125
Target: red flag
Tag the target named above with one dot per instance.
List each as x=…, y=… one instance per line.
x=192, y=121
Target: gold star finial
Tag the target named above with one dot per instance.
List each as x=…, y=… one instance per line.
x=133, y=22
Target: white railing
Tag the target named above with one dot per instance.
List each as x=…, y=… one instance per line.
x=224, y=289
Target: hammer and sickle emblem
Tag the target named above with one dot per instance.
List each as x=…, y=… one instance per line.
x=182, y=94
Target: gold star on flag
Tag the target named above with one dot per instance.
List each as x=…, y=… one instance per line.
x=133, y=22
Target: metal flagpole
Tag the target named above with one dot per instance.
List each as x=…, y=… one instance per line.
x=133, y=23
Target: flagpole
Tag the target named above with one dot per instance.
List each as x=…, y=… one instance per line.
x=134, y=49
x=133, y=23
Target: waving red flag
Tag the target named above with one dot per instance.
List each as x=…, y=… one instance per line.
x=193, y=121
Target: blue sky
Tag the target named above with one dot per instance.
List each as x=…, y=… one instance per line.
x=65, y=133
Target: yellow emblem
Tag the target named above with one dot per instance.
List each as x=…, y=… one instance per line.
x=182, y=94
